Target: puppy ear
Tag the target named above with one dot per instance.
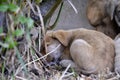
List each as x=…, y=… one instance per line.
x=111, y=5
x=63, y=36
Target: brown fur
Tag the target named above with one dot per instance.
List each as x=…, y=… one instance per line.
x=100, y=14
x=90, y=50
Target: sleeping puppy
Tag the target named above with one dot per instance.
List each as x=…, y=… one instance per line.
x=87, y=51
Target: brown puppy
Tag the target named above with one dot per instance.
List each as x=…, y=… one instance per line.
x=104, y=16
x=88, y=51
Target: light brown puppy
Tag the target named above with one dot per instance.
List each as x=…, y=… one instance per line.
x=88, y=51
x=104, y=16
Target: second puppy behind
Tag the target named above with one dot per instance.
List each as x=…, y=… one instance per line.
x=104, y=16
x=88, y=51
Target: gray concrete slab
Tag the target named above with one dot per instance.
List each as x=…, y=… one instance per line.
x=69, y=19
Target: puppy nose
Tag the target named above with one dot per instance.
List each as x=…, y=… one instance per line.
x=53, y=60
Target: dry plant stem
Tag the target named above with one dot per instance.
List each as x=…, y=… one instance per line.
x=39, y=39
x=69, y=74
x=40, y=63
x=34, y=56
x=38, y=54
x=40, y=58
x=41, y=19
x=28, y=55
x=39, y=46
x=31, y=7
x=11, y=23
x=74, y=8
x=17, y=70
x=13, y=61
x=42, y=24
x=21, y=78
x=35, y=14
x=65, y=72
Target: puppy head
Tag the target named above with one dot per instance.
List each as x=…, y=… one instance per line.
x=55, y=42
x=110, y=7
x=113, y=10
x=53, y=47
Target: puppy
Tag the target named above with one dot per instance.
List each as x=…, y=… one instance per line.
x=88, y=51
x=104, y=16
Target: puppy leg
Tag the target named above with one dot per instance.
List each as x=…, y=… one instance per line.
x=82, y=54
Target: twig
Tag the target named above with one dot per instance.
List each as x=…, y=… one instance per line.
x=20, y=78
x=74, y=8
x=69, y=74
x=40, y=57
x=39, y=54
x=65, y=72
x=31, y=7
x=42, y=25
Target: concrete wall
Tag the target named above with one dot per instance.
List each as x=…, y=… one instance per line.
x=69, y=19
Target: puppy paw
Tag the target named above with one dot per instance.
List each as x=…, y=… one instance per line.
x=65, y=63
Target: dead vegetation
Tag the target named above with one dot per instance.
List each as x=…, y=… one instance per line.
x=20, y=45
